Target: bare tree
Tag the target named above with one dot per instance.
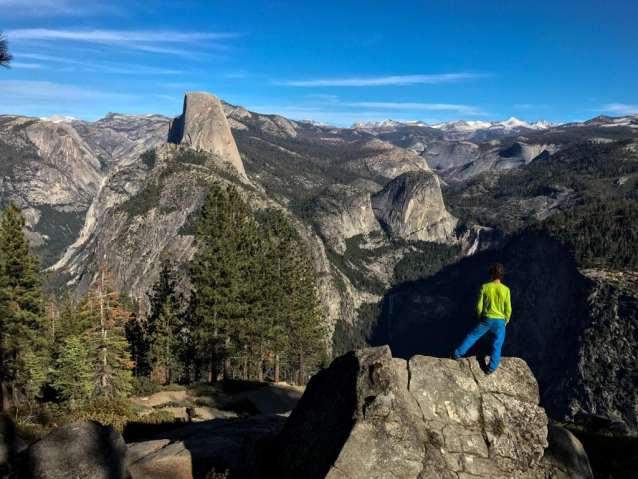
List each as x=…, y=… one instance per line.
x=5, y=56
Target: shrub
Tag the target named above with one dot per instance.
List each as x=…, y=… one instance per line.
x=173, y=387
x=213, y=474
x=114, y=411
x=157, y=417
x=204, y=389
x=143, y=386
x=498, y=426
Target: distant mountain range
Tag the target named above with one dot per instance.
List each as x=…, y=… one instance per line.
x=461, y=129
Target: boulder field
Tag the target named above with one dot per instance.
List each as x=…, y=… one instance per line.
x=368, y=415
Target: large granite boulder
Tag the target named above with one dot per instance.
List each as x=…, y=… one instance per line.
x=371, y=416
x=190, y=452
x=411, y=207
x=80, y=450
x=203, y=126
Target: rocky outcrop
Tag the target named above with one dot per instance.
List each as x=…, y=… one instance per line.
x=342, y=212
x=564, y=321
x=52, y=174
x=411, y=207
x=371, y=416
x=367, y=185
x=442, y=155
x=122, y=138
x=79, y=450
x=236, y=445
x=203, y=126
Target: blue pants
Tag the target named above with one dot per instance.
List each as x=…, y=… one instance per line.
x=497, y=329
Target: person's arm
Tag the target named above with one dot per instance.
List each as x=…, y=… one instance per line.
x=508, y=307
x=479, y=305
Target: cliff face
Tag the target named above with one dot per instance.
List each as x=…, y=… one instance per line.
x=369, y=415
x=203, y=126
x=342, y=212
x=53, y=175
x=563, y=324
x=411, y=207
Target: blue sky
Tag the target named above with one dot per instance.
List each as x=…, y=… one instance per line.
x=333, y=61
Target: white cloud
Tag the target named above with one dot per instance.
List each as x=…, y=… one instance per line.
x=523, y=106
x=116, y=36
x=388, y=80
x=43, y=98
x=464, y=109
x=25, y=65
x=104, y=67
x=49, y=91
x=59, y=7
x=620, y=108
x=151, y=41
x=170, y=98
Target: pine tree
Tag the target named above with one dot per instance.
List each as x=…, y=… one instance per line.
x=111, y=360
x=34, y=376
x=22, y=322
x=69, y=321
x=300, y=307
x=164, y=322
x=218, y=275
x=73, y=378
x=52, y=315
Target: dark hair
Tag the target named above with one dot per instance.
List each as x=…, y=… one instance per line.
x=497, y=271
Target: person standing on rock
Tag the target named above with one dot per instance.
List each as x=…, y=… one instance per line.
x=494, y=309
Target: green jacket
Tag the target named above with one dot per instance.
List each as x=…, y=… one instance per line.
x=494, y=302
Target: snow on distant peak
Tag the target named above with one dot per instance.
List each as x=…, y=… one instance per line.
x=385, y=125
x=59, y=119
x=516, y=123
x=315, y=123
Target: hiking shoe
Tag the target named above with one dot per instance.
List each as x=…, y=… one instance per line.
x=488, y=372
x=451, y=356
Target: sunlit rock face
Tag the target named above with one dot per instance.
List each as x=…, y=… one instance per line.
x=411, y=207
x=203, y=126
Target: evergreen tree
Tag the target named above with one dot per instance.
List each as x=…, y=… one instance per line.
x=52, y=315
x=22, y=323
x=70, y=323
x=73, y=378
x=34, y=376
x=218, y=275
x=300, y=308
x=164, y=322
x=107, y=338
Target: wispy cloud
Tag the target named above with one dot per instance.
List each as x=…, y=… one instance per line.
x=50, y=91
x=43, y=98
x=620, y=108
x=26, y=65
x=464, y=109
x=151, y=41
x=529, y=106
x=116, y=36
x=59, y=7
x=387, y=80
x=103, y=67
x=324, y=97
x=170, y=98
